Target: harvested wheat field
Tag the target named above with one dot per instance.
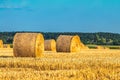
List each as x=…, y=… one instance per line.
x=92, y=64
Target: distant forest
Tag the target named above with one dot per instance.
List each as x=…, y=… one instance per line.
x=100, y=38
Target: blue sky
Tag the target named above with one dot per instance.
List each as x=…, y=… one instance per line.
x=60, y=15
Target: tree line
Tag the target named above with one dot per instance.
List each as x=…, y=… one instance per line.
x=99, y=38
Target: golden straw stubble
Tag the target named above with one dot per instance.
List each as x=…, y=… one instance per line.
x=6, y=45
x=66, y=43
x=102, y=47
x=50, y=45
x=28, y=45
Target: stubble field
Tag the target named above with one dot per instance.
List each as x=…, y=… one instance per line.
x=90, y=64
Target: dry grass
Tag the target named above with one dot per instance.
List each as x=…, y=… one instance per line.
x=6, y=52
x=86, y=65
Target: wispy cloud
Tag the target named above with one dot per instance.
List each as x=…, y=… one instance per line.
x=13, y=4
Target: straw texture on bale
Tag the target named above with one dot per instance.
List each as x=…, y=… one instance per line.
x=67, y=43
x=6, y=45
x=1, y=44
x=28, y=45
x=50, y=45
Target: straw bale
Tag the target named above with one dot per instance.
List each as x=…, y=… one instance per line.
x=28, y=45
x=66, y=43
x=1, y=44
x=50, y=45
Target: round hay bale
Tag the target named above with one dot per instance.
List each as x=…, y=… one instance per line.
x=50, y=45
x=67, y=43
x=28, y=45
x=1, y=44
